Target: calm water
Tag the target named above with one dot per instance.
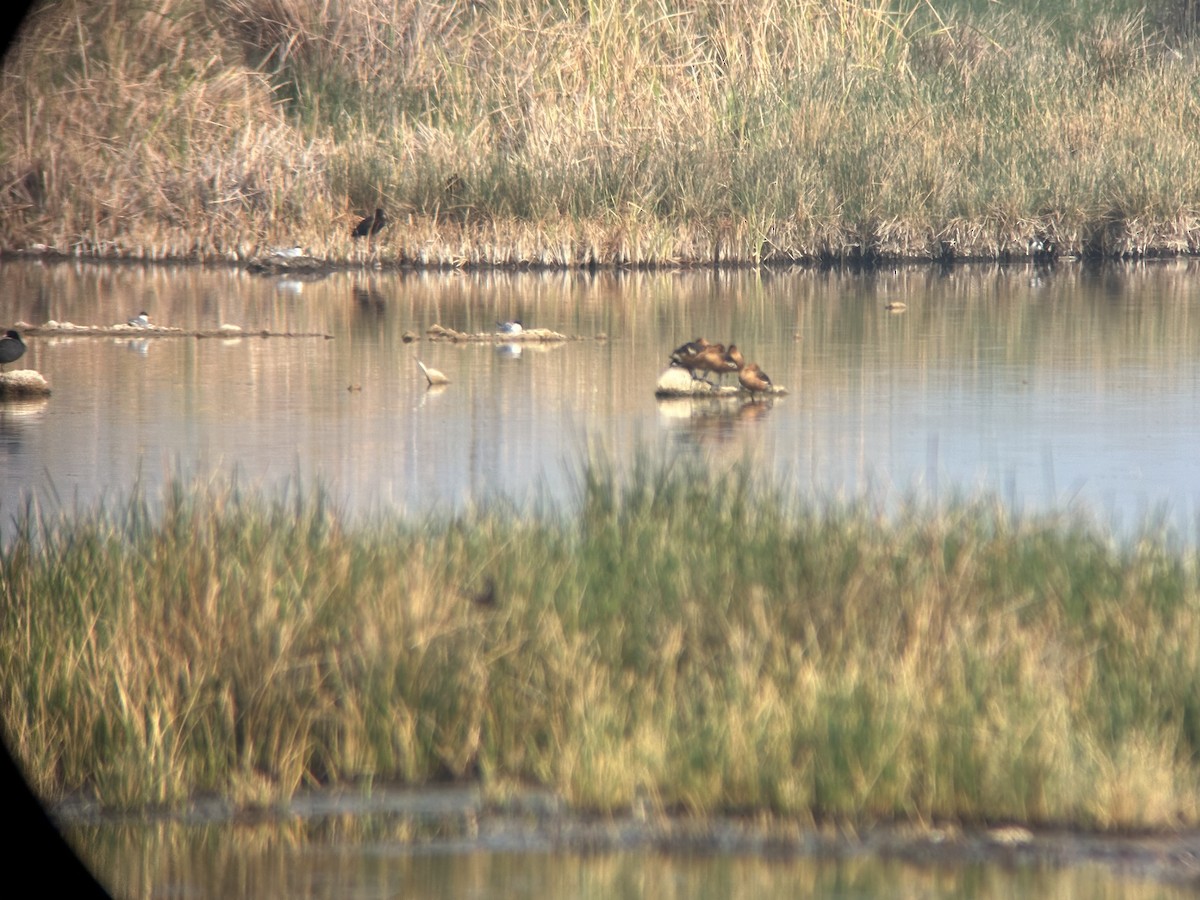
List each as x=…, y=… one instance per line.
x=376, y=856
x=1067, y=389
x=1072, y=389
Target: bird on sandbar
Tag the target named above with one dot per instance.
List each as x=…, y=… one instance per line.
x=754, y=379
x=513, y=327
x=11, y=348
x=141, y=320
x=371, y=225
x=433, y=376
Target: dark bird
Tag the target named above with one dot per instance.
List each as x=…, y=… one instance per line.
x=371, y=225
x=11, y=348
x=754, y=379
x=687, y=351
x=734, y=356
x=487, y=596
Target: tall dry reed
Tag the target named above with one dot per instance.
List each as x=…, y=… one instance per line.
x=683, y=640
x=571, y=133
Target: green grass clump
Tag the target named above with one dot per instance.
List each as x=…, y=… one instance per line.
x=573, y=133
x=699, y=641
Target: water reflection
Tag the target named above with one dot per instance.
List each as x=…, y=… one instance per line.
x=349, y=857
x=1065, y=387
x=706, y=421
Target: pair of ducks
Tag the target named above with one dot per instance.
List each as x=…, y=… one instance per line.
x=701, y=356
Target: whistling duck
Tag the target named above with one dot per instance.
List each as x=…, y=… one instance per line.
x=141, y=320
x=11, y=347
x=687, y=351
x=371, y=225
x=711, y=359
x=433, y=376
x=692, y=361
x=754, y=379
x=734, y=355
x=513, y=327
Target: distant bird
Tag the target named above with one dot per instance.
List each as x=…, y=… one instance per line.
x=754, y=379
x=487, y=596
x=433, y=376
x=734, y=355
x=141, y=320
x=371, y=225
x=687, y=351
x=712, y=358
x=11, y=348
x=698, y=355
x=896, y=306
x=513, y=327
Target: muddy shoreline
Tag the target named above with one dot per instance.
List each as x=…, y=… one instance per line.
x=461, y=819
x=853, y=258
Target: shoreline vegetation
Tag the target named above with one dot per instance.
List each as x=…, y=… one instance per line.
x=682, y=642
x=571, y=134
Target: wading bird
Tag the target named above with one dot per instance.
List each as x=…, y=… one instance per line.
x=11, y=348
x=371, y=225
x=433, y=376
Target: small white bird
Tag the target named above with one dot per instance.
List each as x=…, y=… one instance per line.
x=433, y=376
x=513, y=327
x=141, y=320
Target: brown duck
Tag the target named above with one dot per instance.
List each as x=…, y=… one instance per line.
x=754, y=379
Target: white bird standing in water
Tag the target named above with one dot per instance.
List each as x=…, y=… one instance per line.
x=433, y=376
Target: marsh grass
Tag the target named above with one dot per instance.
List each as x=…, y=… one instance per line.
x=684, y=639
x=524, y=132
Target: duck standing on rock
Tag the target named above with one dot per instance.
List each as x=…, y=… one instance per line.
x=754, y=379
x=12, y=348
x=513, y=327
x=733, y=356
x=713, y=358
x=687, y=351
x=141, y=320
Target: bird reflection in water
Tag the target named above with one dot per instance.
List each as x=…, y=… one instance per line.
x=712, y=420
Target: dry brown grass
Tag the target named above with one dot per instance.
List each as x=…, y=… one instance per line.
x=525, y=133
x=688, y=640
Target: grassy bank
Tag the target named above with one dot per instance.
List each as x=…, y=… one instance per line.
x=571, y=133
x=689, y=640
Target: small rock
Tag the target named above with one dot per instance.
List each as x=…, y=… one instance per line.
x=23, y=383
